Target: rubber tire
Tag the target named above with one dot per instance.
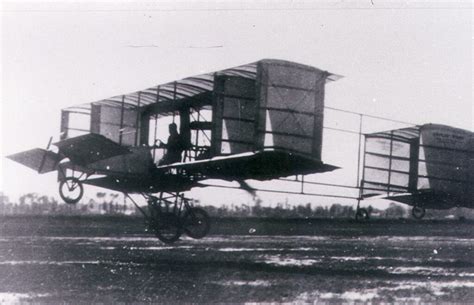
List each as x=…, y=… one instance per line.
x=418, y=212
x=66, y=198
x=202, y=228
x=167, y=221
x=362, y=214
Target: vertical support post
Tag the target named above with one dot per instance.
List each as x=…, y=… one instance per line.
x=137, y=123
x=302, y=184
x=154, y=136
x=358, y=184
x=174, y=97
x=359, y=150
x=185, y=130
x=413, y=165
x=390, y=163
x=121, y=119
x=261, y=93
x=156, y=122
x=217, y=109
x=197, y=133
x=361, y=186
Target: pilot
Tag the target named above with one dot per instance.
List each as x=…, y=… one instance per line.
x=174, y=147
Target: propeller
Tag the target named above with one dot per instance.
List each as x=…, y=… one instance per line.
x=246, y=187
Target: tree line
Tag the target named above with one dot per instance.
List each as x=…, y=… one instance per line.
x=113, y=204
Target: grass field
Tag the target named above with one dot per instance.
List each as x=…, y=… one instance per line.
x=112, y=259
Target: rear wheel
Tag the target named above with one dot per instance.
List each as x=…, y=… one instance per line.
x=361, y=214
x=71, y=190
x=418, y=212
x=167, y=227
x=197, y=223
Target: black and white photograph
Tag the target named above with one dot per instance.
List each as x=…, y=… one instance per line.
x=236, y=152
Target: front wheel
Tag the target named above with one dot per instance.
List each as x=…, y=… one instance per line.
x=71, y=190
x=197, y=223
x=418, y=212
x=167, y=227
x=362, y=214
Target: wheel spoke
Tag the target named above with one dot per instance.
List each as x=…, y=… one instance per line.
x=196, y=223
x=71, y=190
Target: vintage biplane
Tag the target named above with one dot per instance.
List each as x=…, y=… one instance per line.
x=428, y=167
x=261, y=121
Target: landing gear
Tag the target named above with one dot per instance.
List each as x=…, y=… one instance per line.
x=361, y=214
x=167, y=227
x=196, y=223
x=168, y=217
x=418, y=212
x=71, y=190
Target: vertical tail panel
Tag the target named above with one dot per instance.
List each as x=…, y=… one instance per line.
x=234, y=111
x=291, y=105
x=446, y=162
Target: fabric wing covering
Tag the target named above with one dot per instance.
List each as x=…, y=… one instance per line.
x=268, y=103
x=291, y=107
x=89, y=148
x=447, y=162
x=186, y=87
x=40, y=160
x=281, y=109
x=387, y=161
x=262, y=165
x=430, y=157
x=116, y=124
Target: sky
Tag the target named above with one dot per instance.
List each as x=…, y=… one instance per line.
x=409, y=61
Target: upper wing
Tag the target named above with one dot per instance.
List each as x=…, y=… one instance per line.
x=261, y=165
x=41, y=160
x=90, y=148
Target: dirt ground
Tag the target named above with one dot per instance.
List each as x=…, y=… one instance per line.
x=112, y=260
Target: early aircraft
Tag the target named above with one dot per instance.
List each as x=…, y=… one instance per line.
x=428, y=167
x=261, y=121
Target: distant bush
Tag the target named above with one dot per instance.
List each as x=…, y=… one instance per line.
x=113, y=204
